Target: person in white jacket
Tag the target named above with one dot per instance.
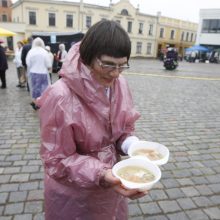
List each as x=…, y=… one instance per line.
x=38, y=65
x=20, y=68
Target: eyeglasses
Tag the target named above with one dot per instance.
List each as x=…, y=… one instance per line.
x=109, y=67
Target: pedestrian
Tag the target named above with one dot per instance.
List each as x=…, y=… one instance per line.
x=90, y=124
x=51, y=59
x=3, y=66
x=38, y=64
x=20, y=68
x=24, y=53
x=61, y=55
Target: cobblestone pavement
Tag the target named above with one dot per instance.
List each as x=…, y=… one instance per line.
x=180, y=109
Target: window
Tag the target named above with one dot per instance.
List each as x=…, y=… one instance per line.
x=4, y=18
x=52, y=19
x=124, y=12
x=161, y=32
x=187, y=36
x=129, y=27
x=140, y=30
x=149, y=46
x=191, y=39
x=4, y=3
x=32, y=17
x=172, y=34
x=69, y=20
x=88, y=21
x=182, y=36
x=211, y=26
x=138, y=47
x=150, y=30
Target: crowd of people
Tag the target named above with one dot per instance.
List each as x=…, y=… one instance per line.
x=34, y=66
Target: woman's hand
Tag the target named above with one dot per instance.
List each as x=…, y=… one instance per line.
x=115, y=183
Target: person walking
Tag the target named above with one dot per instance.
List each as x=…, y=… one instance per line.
x=52, y=60
x=90, y=124
x=3, y=66
x=20, y=68
x=61, y=55
x=38, y=64
x=24, y=53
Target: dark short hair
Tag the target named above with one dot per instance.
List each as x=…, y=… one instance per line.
x=105, y=38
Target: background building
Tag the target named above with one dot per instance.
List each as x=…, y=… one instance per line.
x=209, y=28
x=148, y=33
x=175, y=33
x=5, y=10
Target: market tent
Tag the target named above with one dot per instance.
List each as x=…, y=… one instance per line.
x=6, y=33
x=197, y=48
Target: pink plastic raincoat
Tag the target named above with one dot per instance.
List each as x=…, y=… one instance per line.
x=82, y=131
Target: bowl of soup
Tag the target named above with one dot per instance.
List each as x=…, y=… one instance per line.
x=151, y=151
x=137, y=173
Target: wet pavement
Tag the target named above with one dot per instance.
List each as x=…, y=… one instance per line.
x=180, y=109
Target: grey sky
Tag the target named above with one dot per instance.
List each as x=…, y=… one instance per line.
x=181, y=9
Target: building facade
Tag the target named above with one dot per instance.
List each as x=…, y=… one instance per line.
x=5, y=10
x=144, y=30
x=209, y=28
x=175, y=33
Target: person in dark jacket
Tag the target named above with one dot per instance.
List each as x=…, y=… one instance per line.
x=3, y=66
x=24, y=53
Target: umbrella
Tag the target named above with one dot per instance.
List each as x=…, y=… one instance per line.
x=6, y=33
x=197, y=48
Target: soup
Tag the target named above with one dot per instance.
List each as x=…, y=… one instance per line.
x=136, y=174
x=150, y=153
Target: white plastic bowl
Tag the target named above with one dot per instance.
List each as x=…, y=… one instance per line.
x=140, y=162
x=150, y=145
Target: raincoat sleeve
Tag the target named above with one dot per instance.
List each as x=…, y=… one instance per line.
x=58, y=147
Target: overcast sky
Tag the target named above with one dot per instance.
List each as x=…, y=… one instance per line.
x=181, y=9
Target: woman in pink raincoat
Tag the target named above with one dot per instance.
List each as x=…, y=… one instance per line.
x=87, y=120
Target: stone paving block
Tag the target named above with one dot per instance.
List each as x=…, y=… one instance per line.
x=150, y=208
x=3, y=198
x=14, y=208
x=190, y=191
x=136, y=218
x=5, y=217
x=215, y=199
x=183, y=165
x=1, y=209
x=23, y=217
x=202, y=201
x=204, y=190
x=39, y=216
x=19, y=178
x=198, y=180
x=158, y=195
x=181, y=173
x=186, y=203
x=185, y=182
x=196, y=172
x=156, y=217
x=30, y=157
x=197, y=214
x=33, y=207
x=213, y=178
x=215, y=187
x=36, y=195
x=13, y=157
x=213, y=213
x=9, y=187
x=9, y=170
x=30, y=169
x=4, y=178
x=174, y=193
x=37, y=176
x=18, y=196
x=170, y=183
x=178, y=215
x=134, y=210
x=20, y=163
x=144, y=199
x=169, y=206
x=29, y=186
